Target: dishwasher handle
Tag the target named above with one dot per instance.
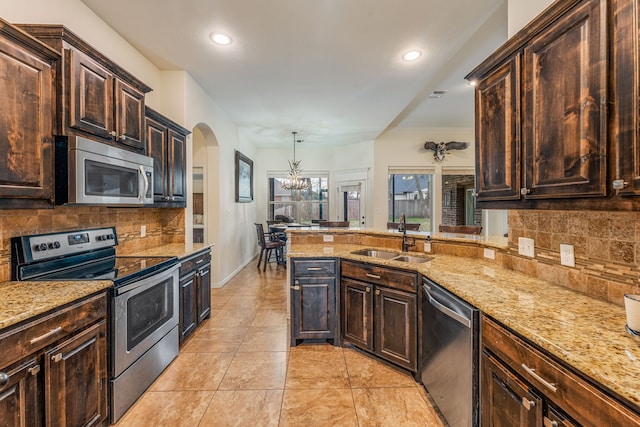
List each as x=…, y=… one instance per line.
x=446, y=310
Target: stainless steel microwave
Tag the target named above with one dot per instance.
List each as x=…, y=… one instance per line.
x=92, y=173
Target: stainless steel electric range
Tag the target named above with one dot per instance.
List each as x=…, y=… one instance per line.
x=143, y=307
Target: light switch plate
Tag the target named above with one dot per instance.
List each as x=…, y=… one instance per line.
x=567, y=256
x=526, y=247
x=143, y=230
x=427, y=246
x=327, y=237
x=489, y=253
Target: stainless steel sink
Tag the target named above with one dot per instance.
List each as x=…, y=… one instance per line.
x=393, y=256
x=411, y=259
x=375, y=253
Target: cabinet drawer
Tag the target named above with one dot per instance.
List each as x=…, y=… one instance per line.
x=194, y=261
x=388, y=277
x=24, y=340
x=314, y=267
x=579, y=399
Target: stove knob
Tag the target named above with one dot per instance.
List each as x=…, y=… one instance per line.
x=54, y=245
x=111, y=236
x=41, y=247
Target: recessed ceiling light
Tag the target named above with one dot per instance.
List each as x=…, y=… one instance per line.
x=220, y=38
x=412, y=55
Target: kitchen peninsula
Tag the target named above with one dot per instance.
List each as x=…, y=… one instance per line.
x=554, y=322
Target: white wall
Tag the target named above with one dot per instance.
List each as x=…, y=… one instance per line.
x=521, y=12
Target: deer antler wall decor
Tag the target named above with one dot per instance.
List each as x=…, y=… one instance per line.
x=442, y=148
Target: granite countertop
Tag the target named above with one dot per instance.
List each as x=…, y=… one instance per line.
x=22, y=300
x=585, y=332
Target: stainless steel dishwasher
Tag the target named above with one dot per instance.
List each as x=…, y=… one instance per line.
x=450, y=354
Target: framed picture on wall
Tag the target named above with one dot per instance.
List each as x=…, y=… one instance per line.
x=244, y=178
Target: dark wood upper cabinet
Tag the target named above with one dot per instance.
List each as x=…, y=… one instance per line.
x=625, y=102
x=27, y=113
x=166, y=143
x=564, y=112
x=575, y=101
x=97, y=98
x=498, y=127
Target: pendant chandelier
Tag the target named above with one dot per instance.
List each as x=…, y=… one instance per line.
x=294, y=180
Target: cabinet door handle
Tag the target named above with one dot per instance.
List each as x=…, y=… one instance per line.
x=368, y=289
x=548, y=423
x=34, y=369
x=56, y=357
x=47, y=335
x=113, y=132
x=524, y=191
x=547, y=384
x=314, y=268
x=377, y=291
x=295, y=288
x=373, y=276
x=199, y=261
x=528, y=404
x=4, y=379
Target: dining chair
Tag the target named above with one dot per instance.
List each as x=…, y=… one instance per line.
x=268, y=242
x=460, y=229
x=333, y=223
x=411, y=226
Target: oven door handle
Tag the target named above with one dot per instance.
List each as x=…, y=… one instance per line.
x=145, y=181
x=150, y=280
x=446, y=310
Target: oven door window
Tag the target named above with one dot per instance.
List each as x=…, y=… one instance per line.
x=147, y=311
x=110, y=180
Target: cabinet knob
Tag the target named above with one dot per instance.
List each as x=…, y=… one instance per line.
x=4, y=379
x=548, y=423
x=122, y=138
x=295, y=288
x=524, y=191
x=528, y=404
x=368, y=289
x=377, y=291
x=113, y=133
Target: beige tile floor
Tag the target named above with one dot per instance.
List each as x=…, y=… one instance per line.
x=237, y=369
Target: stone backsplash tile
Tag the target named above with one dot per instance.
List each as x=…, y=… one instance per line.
x=163, y=226
x=606, y=247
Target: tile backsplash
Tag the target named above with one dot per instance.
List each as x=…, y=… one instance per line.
x=164, y=225
x=606, y=246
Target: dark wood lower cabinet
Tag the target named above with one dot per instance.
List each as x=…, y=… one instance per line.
x=195, y=291
x=378, y=318
x=313, y=299
x=62, y=381
x=506, y=401
x=522, y=386
x=19, y=401
x=75, y=378
x=357, y=313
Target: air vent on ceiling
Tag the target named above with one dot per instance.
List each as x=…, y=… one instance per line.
x=437, y=93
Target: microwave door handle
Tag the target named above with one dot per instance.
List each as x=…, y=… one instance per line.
x=145, y=180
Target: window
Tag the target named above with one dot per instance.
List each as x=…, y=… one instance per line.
x=301, y=205
x=411, y=194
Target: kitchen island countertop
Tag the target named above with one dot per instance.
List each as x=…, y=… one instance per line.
x=584, y=332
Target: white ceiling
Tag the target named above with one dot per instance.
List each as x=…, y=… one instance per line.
x=330, y=69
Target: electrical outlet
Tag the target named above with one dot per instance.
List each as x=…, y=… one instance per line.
x=427, y=246
x=327, y=237
x=567, y=256
x=526, y=247
x=143, y=230
x=489, y=253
